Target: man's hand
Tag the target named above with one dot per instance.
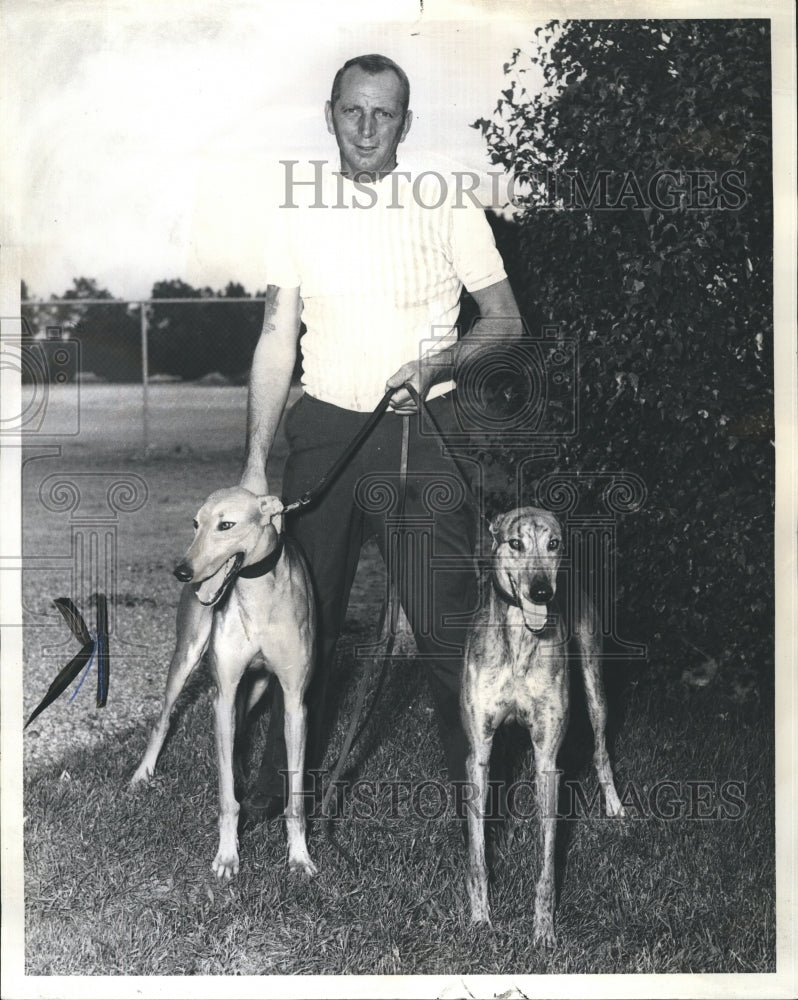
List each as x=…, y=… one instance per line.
x=422, y=375
x=499, y=322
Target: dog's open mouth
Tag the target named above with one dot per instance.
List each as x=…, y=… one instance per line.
x=211, y=590
x=535, y=615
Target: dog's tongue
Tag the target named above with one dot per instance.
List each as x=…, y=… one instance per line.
x=535, y=615
x=210, y=590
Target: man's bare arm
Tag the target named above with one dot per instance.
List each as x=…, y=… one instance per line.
x=499, y=319
x=269, y=381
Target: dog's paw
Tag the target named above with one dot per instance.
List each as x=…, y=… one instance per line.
x=478, y=900
x=543, y=932
x=303, y=866
x=613, y=807
x=141, y=777
x=480, y=911
x=225, y=865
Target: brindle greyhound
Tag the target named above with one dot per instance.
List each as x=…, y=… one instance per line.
x=516, y=667
x=249, y=598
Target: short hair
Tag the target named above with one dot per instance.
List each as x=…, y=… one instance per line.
x=373, y=64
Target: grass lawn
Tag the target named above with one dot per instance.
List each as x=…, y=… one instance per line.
x=119, y=882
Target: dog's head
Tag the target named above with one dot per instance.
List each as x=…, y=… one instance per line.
x=234, y=528
x=527, y=550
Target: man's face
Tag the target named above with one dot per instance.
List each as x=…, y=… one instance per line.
x=368, y=122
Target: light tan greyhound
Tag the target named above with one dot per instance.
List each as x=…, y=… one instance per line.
x=249, y=598
x=516, y=667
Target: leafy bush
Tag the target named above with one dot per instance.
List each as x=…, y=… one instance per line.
x=666, y=282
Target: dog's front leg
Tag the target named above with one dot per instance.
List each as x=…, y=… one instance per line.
x=225, y=864
x=295, y=736
x=194, y=623
x=477, y=773
x=547, y=732
x=548, y=782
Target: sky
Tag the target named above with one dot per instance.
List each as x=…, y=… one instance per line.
x=143, y=130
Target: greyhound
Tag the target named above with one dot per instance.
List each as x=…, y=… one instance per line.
x=249, y=598
x=516, y=667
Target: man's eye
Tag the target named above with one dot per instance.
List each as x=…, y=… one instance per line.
x=385, y=114
x=226, y=525
x=516, y=543
x=554, y=544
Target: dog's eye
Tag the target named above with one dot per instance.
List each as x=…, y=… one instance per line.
x=226, y=525
x=554, y=544
x=516, y=543
x=195, y=522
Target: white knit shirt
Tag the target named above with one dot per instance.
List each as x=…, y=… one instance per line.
x=380, y=284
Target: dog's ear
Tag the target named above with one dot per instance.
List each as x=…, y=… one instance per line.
x=494, y=527
x=271, y=510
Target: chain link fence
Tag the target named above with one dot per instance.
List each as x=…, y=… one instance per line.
x=112, y=340
x=147, y=363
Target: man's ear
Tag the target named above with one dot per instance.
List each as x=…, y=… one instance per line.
x=328, y=117
x=271, y=511
x=406, y=126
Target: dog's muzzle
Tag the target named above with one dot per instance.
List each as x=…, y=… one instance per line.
x=183, y=572
x=535, y=615
x=213, y=588
x=534, y=608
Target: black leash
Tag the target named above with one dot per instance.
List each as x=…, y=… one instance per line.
x=313, y=494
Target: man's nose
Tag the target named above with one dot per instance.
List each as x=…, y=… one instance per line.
x=368, y=125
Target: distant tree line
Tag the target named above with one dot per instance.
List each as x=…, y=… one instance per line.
x=188, y=340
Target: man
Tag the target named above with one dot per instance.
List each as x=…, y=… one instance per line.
x=374, y=263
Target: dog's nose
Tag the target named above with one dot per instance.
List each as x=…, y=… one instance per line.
x=541, y=593
x=183, y=572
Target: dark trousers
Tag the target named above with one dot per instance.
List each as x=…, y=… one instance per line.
x=427, y=546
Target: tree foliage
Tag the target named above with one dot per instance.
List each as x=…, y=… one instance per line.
x=108, y=336
x=665, y=280
x=202, y=333
x=193, y=340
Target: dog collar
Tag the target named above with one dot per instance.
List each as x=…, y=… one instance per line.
x=263, y=566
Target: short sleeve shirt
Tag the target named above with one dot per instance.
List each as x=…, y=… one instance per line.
x=380, y=268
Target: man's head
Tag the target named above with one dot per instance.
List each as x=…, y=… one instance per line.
x=368, y=114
